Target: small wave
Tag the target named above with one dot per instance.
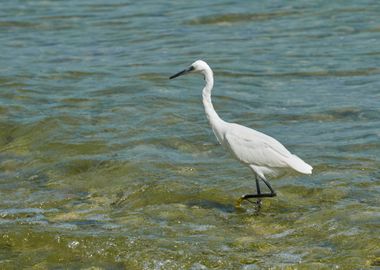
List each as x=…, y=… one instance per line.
x=240, y=17
x=303, y=74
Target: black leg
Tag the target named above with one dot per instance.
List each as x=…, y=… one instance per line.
x=258, y=201
x=270, y=187
x=257, y=185
x=259, y=194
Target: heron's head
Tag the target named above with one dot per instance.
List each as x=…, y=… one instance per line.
x=197, y=66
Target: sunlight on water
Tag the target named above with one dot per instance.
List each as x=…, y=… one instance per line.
x=106, y=164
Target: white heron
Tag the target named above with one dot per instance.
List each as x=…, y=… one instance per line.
x=262, y=153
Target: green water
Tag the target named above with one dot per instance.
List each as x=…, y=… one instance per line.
x=106, y=164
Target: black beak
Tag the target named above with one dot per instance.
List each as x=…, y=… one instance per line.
x=183, y=72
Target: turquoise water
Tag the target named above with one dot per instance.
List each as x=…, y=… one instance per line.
x=106, y=164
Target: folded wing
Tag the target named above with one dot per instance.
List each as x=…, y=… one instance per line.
x=256, y=148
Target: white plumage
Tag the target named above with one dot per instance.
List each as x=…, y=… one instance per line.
x=262, y=153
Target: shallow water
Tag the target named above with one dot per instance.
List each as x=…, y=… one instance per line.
x=105, y=163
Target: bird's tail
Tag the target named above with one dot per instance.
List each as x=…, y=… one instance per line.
x=299, y=165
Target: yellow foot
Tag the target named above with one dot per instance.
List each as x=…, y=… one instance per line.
x=239, y=201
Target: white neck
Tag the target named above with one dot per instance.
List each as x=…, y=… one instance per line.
x=211, y=114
